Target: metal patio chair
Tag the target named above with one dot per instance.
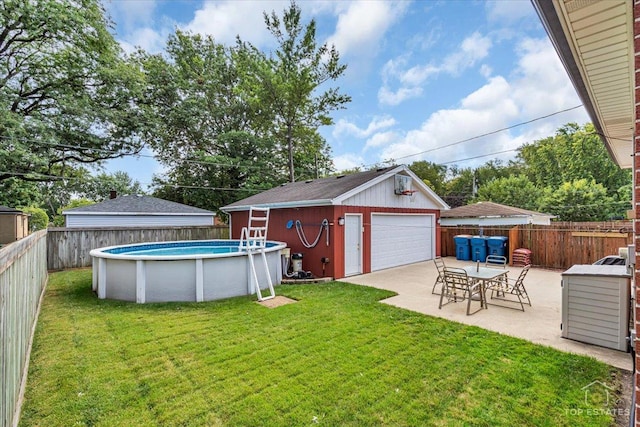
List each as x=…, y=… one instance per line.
x=439, y=262
x=509, y=288
x=496, y=261
x=456, y=286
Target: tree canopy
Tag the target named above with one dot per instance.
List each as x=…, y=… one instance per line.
x=564, y=174
x=67, y=96
x=285, y=88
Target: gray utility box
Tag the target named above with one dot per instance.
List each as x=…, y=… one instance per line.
x=595, y=305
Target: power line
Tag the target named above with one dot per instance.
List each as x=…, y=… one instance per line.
x=484, y=134
x=209, y=163
x=477, y=157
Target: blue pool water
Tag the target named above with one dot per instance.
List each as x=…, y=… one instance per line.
x=202, y=247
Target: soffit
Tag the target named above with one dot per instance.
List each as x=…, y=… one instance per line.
x=600, y=37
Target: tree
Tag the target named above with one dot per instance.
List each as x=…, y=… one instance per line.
x=459, y=187
x=517, y=191
x=67, y=97
x=573, y=153
x=38, y=218
x=432, y=174
x=284, y=87
x=82, y=184
x=99, y=187
x=203, y=183
x=203, y=131
x=579, y=200
x=17, y=192
x=495, y=169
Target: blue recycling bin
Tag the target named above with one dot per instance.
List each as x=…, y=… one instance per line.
x=497, y=245
x=463, y=248
x=478, y=248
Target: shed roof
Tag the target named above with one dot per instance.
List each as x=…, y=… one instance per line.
x=7, y=210
x=488, y=209
x=325, y=191
x=137, y=204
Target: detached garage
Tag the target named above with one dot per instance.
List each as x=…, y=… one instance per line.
x=351, y=224
x=398, y=239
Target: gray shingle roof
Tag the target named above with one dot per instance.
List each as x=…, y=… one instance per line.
x=487, y=209
x=139, y=204
x=318, y=190
x=8, y=210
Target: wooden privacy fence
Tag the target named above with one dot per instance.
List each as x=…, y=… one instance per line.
x=70, y=247
x=23, y=276
x=559, y=245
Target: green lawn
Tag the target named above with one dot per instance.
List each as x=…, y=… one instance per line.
x=337, y=357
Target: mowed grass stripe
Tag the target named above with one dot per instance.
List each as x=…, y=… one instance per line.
x=335, y=357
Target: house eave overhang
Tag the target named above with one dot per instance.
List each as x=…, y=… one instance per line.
x=594, y=40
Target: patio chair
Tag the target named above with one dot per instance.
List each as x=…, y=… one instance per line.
x=496, y=261
x=505, y=290
x=440, y=267
x=456, y=286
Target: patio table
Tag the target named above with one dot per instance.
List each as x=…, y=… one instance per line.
x=484, y=275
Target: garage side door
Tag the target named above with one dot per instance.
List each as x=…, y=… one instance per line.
x=401, y=239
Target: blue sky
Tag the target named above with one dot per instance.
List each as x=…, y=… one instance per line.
x=422, y=75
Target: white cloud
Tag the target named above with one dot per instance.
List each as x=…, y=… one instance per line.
x=537, y=87
x=147, y=38
x=343, y=127
x=486, y=71
x=389, y=97
x=348, y=161
x=226, y=19
x=471, y=50
x=509, y=12
x=381, y=139
x=362, y=26
x=132, y=13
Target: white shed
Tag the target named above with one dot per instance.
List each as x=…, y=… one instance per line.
x=137, y=211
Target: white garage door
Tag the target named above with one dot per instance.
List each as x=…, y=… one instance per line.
x=398, y=239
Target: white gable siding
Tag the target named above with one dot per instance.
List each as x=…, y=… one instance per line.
x=382, y=195
x=78, y=221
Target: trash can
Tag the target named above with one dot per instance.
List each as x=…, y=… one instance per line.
x=478, y=248
x=497, y=245
x=463, y=248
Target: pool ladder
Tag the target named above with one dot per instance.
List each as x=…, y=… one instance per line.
x=253, y=239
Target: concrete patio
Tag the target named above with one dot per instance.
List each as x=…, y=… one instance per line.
x=539, y=324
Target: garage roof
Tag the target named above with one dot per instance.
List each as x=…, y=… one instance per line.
x=594, y=40
x=327, y=191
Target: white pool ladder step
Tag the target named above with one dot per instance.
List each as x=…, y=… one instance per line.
x=253, y=239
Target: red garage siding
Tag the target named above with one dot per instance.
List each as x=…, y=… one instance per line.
x=311, y=218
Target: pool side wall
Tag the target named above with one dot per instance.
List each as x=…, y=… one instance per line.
x=183, y=280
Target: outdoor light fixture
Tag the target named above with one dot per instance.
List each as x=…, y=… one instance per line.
x=340, y=220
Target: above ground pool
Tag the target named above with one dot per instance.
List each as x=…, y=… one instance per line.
x=194, y=270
